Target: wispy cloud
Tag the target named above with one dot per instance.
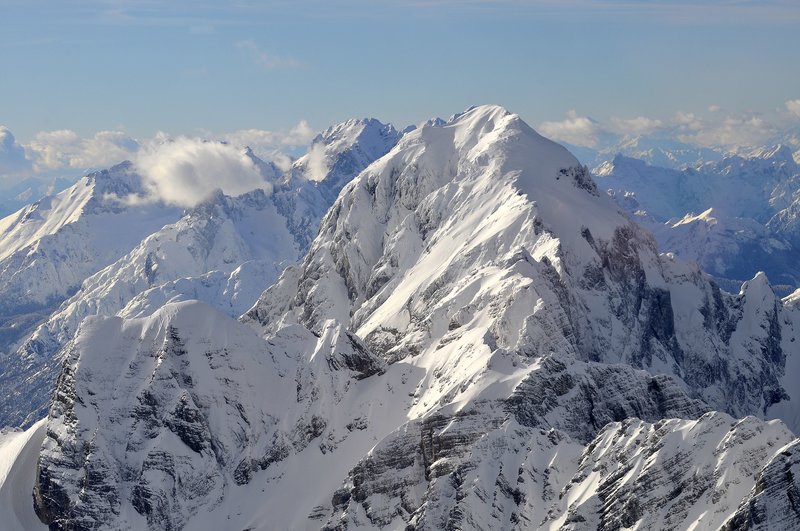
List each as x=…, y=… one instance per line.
x=202, y=29
x=678, y=11
x=198, y=17
x=267, y=60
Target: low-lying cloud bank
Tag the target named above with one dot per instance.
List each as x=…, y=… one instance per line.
x=713, y=129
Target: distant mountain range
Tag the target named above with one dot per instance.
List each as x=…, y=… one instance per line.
x=734, y=217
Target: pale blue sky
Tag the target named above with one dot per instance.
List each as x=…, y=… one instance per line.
x=182, y=67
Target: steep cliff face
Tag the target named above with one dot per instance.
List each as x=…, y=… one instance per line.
x=182, y=410
x=669, y=475
x=476, y=339
x=773, y=501
x=157, y=418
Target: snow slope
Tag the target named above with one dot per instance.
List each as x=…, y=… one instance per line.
x=19, y=451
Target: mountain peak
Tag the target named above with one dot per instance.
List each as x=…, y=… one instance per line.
x=758, y=287
x=343, y=150
x=481, y=112
x=489, y=127
x=352, y=131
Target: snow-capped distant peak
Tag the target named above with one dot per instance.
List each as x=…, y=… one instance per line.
x=349, y=132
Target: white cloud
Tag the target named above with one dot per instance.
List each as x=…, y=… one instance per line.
x=641, y=125
x=793, y=106
x=688, y=120
x=62, y=149
x=104, y=149
x=730, y=131
x=51, y=149
x=268, y=60
x=316, y=163
x=717, y=129
x=300, y=135
x=260, y=140
x=66, y=151
x=12, y=155
x=280, y=159
x=185, y=171
x=577, y=130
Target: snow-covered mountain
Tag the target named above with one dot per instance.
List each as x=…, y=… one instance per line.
x=478, y=338
x=733, y=217
x=731, y=248
x=49, y=247
x=754, y=187
x=407, y=253
x=225, y=251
